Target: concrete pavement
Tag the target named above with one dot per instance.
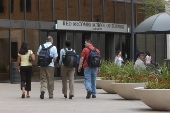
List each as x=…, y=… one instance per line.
x=11, y=102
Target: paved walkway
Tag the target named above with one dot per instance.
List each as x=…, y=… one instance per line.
x=10, y=101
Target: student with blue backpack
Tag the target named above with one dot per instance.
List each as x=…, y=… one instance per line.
x=90, y=60
x=68, y=62
x=47, y=56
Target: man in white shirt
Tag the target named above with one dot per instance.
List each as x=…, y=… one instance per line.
x=139, y=64
x=47, y=73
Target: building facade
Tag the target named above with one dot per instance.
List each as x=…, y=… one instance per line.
x=107, y=22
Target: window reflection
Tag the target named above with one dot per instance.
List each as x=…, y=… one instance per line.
x=1, y=6
x=28, y=5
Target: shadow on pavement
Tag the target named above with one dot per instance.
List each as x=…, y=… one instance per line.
x=147, y=110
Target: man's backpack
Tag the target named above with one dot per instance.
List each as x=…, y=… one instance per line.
x=44, y=58
x=94, y=58
x=70, y=58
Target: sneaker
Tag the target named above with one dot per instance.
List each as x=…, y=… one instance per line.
x=93, y=96
x=71, y=96
x=23, y=95
x=42, y=95
x=65, y=96
x=88, y=94
x=50, y=97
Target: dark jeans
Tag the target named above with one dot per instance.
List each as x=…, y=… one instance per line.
x=25, y=72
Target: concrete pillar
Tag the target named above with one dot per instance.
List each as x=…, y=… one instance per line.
x=168, y=46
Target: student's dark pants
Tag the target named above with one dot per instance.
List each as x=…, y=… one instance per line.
x=25, y=72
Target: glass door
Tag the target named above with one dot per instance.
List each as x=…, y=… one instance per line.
x=98, y=40
x=122, y=42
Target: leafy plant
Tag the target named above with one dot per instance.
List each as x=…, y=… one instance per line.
x=126, y=73
x=160, y=82
x=108, y=70
x=130, y=75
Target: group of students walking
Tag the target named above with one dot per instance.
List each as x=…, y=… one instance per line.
x=47, y=56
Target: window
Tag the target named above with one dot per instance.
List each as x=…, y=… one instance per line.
x=1, y=6
x=12, y=6
x=28, y=5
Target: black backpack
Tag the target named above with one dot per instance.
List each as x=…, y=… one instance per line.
x=70, y=58
x=44, y=58
x=94, y=58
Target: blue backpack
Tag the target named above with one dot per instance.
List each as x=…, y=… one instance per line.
x=44, y=58
x=94, y=58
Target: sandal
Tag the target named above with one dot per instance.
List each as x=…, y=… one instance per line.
x=23, y=95
x=28, y=96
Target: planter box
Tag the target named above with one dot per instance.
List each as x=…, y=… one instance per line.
x=126, y=90
x=98, y=83
x=106, y=86
x=157, y=99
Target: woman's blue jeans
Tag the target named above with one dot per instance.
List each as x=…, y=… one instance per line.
x=90, y=79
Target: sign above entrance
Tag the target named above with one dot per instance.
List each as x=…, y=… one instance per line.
x=90, y=26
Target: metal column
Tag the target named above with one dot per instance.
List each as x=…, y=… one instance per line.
x=132, y=30
x=25, y=7
x=9, y=8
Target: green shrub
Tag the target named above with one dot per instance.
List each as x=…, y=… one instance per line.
x=125, y=73
x=161, y=81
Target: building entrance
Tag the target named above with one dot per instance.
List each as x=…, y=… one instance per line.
x=115, y=42
x=122, y=42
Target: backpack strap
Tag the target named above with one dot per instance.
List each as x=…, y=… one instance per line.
x=42, y=46
x=70, y=48
x=91, y=49
x=65, y=50
x=50, y=47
